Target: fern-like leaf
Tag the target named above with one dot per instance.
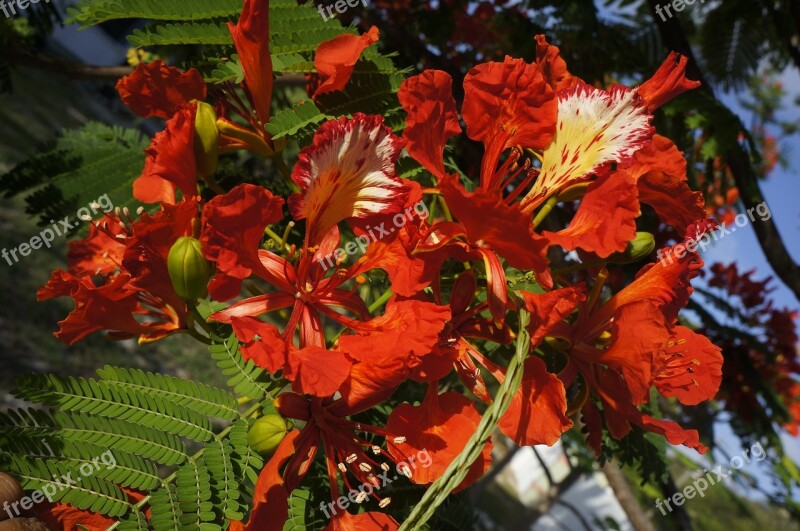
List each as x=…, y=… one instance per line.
x=245, y=377
x=105, y=399
x=195, y=396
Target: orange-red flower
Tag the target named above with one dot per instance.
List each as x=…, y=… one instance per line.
x=631, y=342
x=384, y=353
x=118, y=277
x=158, y=90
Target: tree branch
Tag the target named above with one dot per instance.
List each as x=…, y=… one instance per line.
x=738, y=160
x=625, y=497
x=66, y=67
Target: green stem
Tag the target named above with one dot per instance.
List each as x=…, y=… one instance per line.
x=546, y=209
x=277, y=239
x=458, y=469
x=380, y=301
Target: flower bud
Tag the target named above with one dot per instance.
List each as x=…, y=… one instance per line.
x=188, y=269
x=206, y=139
x=639, y=247
x=267, y=433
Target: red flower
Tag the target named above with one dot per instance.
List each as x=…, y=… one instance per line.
x=170, y=163
x=336, y=59
x=347, y=445
x=537, y=414
x=132, y=295
x=659, y=169
x=159, y=90
x=631, y=342
x=251, y=37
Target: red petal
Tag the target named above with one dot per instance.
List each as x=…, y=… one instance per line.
x=549, y=309
x=389, y=348
x=408, y=328
x=100, y=252
x=666, y=282
x=347, y=172
x=690, y=369
x=497, y=292
x=233, y=226
x=270, y=499
x=260, y=342
x=673, y=432
x=668, y=82
x=606, y=218
x=552, y=66
x=170, y=163
x=639, y=331
x=317, y=371
x=254, y=306
x=437, y=429
x=537, y=414
x=158, y=90
x=661, y=178
x=431, y=117
x=109, y=307
x=336, y=59
x=508, y=104
x=251, y=37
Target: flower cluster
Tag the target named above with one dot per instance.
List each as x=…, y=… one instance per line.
x=548, y=138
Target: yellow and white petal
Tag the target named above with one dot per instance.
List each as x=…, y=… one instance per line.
x=347, y=172
x=595, y=128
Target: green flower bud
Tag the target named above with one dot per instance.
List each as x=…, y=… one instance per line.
x=639, y=247
x=267, y=433
x=206, y=139
x=188, y=269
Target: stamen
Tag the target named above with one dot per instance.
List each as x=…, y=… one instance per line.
x=384, y=502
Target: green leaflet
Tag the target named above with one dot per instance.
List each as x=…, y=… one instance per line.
x=123, y=429
x=245, y=378
x=79, y=168
x=195, y=396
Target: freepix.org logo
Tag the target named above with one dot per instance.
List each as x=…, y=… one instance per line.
x=10, y=7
